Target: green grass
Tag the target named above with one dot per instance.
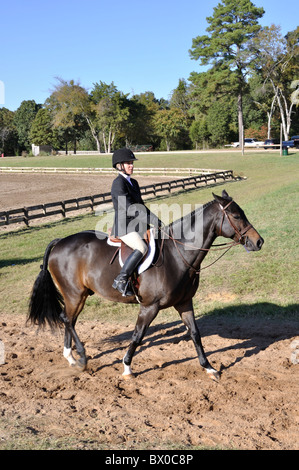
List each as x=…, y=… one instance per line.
x=62, y=161
x=220, y=159
x=269, y=197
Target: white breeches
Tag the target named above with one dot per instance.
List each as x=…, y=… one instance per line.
x=134, y=241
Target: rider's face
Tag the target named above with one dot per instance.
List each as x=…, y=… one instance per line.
x=129, y=167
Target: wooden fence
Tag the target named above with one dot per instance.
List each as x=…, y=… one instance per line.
x=96, y=171
x=26, y=214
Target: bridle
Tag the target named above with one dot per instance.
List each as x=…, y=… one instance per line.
x=221, y=246
x=239, y=234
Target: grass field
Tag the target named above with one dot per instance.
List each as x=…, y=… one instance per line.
x=269, y=196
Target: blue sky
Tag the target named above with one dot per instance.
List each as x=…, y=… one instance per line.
x=140, y=45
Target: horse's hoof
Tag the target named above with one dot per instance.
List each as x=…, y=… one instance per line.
x=128, y=376
x=213, y=374
x=80, y=365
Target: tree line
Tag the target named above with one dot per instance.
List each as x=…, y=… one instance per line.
x=251, y=82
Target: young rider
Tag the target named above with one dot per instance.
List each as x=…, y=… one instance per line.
x=131, y=218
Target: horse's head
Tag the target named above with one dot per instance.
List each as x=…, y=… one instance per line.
x=232, y=223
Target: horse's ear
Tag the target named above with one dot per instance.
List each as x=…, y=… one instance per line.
x=225, y=195
x=218, y=198
x=222, y=199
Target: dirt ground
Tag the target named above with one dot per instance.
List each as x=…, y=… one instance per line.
x=171, y=400
x=19, y=190
x=253, y=406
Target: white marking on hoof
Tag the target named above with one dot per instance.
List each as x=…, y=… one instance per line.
x=213, y=374
x=127, y=373
x=67, y=353
x=128, y=376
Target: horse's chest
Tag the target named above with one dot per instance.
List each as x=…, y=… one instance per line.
x=178, y=289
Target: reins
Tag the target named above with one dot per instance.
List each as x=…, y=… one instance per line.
x=220, y=246
x=197, y=271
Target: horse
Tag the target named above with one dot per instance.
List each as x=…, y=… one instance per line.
x=82, y=264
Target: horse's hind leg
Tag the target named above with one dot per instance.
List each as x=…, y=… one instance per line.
x=145, y=317
x=69, y=317
x=67, y=350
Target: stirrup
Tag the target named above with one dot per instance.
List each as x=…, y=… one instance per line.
x=123, y=286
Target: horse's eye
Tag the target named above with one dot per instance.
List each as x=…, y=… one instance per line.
x=237, y=217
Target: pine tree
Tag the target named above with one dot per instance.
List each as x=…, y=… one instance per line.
x=231, y=28
x=41, y=132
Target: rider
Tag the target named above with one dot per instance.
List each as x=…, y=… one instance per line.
x=131, y=218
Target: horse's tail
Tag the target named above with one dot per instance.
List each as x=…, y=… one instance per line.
x=46, y=302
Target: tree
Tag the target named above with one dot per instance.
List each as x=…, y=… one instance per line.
x=213, y=90
x=262, y=99
x=148, y=106
x=70, y=109
x=217, y=83
x=231, y=28
x=8, y=132
x=41, y=132
x=180, y=97
x=111, y=112
x=220, y=124
x=137, y=128
x=277, y=63
x=295, y=93
x=169, y=124
x=199, y=132
x=23, y=118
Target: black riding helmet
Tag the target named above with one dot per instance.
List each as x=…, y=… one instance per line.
x=122, y=155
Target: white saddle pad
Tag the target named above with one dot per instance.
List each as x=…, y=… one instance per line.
x=149, y=256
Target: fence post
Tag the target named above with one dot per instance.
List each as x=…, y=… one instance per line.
x=26, y=217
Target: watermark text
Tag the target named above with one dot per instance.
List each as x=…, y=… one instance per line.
x=175, y=221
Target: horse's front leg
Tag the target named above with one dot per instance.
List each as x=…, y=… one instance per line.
x=145, y=317
x=187, y=315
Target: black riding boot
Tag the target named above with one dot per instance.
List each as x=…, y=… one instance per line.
x=122, y=281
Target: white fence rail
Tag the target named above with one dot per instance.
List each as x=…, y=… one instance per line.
x=145, y=171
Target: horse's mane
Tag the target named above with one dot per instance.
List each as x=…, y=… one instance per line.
x=192, y=214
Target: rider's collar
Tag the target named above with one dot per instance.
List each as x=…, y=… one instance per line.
x=125, y=176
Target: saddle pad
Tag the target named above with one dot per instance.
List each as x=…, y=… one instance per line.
x=147, y=261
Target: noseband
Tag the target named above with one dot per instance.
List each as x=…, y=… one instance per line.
x=239, y=234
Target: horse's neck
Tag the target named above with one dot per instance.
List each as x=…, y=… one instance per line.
x=195, y=234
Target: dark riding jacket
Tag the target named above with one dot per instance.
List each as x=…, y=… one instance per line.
x=130, y=212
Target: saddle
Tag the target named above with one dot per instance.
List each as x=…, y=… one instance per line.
x=124, y=250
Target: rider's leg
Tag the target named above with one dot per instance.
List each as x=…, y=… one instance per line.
x=121, y=282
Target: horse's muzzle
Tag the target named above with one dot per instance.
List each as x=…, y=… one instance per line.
x=253, y=244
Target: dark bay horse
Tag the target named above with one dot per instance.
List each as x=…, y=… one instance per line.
x=80, y=265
